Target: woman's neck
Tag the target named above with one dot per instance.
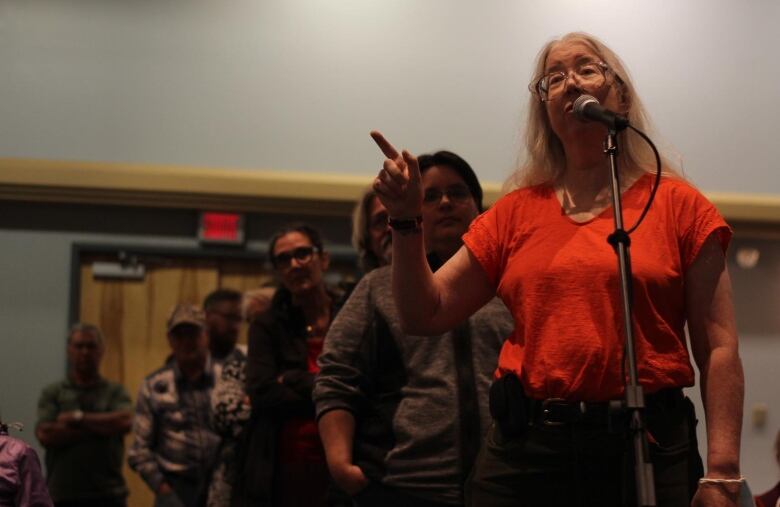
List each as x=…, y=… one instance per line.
x=585, y=187
x=315, y=306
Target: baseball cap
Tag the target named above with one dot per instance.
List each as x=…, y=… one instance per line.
x=184, y=313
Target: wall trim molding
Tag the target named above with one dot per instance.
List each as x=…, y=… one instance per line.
x=247, y=190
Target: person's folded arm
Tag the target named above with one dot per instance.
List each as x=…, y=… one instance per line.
x=58, y=434
x=49, y=431
x=107, y=423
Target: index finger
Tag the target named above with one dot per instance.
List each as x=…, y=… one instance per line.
x=384, y=145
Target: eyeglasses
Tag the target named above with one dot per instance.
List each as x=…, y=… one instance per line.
x=590, y=76
x=302, y=254
x=457, y=194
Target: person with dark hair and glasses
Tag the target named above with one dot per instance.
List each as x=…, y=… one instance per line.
x=402, y=416
x=284, y=463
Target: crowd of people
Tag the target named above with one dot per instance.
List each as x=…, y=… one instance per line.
x=473, y=364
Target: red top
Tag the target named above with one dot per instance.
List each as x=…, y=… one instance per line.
x=299, y=441
x=314, y=345
x=559, y=279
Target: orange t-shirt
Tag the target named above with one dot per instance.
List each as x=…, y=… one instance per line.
x=559, y=279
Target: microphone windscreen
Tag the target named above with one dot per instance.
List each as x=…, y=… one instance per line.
x=582, y=101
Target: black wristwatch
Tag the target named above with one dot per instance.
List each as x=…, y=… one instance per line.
x=405, y=224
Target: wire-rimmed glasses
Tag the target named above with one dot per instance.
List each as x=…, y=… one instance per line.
x=589, y=75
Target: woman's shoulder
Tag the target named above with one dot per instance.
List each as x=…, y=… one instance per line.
x=520, y=201
x=674, y=182
x=522, y=196
x=678, y=192
x=539, y=191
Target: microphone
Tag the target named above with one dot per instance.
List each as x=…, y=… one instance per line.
x=588, y=108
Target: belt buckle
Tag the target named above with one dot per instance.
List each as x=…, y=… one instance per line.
x=546, y=411
x=581, y=407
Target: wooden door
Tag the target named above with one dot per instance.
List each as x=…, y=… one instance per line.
x=132, y=315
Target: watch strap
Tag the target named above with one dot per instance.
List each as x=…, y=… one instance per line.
x=405, y=224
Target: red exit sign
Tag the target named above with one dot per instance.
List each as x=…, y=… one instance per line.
x=224, y=228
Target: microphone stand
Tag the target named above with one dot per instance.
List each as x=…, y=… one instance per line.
x=634, y=402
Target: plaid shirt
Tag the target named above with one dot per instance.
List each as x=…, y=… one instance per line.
x=171, y=427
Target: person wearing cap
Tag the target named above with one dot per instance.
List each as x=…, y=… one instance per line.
x=401, y=416
x=81, y=422
x=174, y=446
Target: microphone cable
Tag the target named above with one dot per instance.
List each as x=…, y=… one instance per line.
x=656, y=183
x=639, y=220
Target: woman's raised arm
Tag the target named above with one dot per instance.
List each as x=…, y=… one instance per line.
x=427, y=304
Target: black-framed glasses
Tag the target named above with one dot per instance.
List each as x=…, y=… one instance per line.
x=302, y=254
x=456, y=194
x=590, y=75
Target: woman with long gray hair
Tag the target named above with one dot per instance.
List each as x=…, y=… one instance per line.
x=542, y=248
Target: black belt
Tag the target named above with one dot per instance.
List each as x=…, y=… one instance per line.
x=557, y=412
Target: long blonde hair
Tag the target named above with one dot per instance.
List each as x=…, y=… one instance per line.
x=545, y=160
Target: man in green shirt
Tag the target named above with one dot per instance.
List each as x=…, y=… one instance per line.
x=81, y=421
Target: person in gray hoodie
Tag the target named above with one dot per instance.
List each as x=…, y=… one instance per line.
x=402, y=417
